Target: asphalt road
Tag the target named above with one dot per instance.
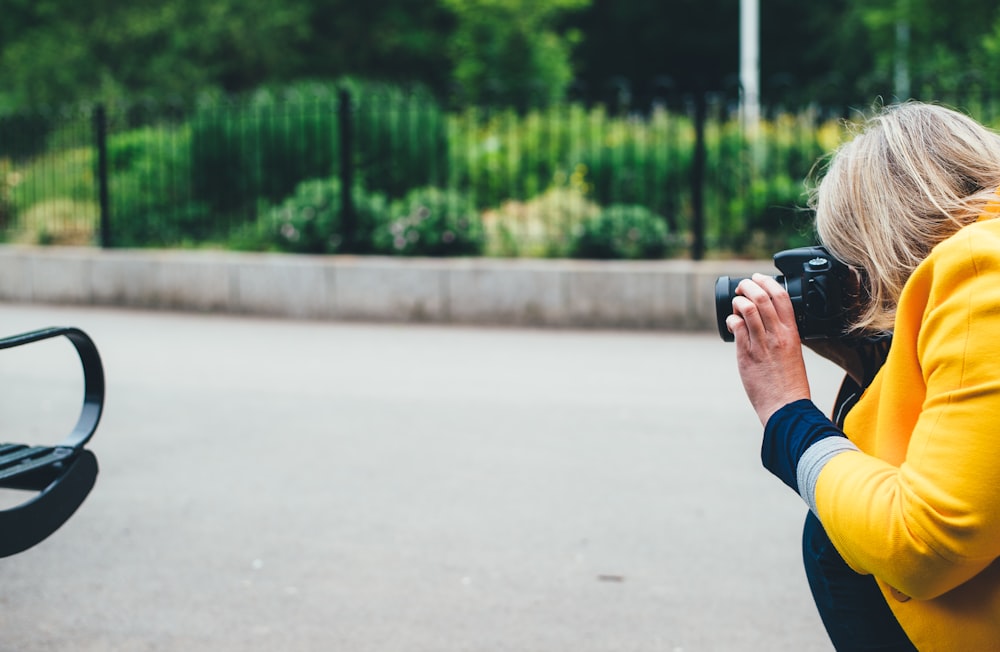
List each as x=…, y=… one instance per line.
x=289, y=485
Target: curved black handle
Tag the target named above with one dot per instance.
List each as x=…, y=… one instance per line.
x=64, y=475
x=93, y=378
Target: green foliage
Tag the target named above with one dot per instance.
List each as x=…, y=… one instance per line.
x=263, y=147
x=535, y=177
x=8, y=179
x=56, y=51
x=622, y=231
x=630, y=161
x=311, y=219
x=59, y=51
x=24, y=134
x=432, y=222
x=509, y=52
x=518, y=52
x=773, y=217
x=57, y=222
x=503, y=156
x=400, y=139
x=544, y=226
x=943, y=45
x=59, y=174
x=149, y=175
x=758, y=186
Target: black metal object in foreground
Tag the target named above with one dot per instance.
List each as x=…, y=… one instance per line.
x=62, y=475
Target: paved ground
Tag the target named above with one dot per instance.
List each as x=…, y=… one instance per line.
x=280, y=485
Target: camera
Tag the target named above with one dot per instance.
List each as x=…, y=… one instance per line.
x=815, y=281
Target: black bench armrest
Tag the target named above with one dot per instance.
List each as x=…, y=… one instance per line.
x=62, y=475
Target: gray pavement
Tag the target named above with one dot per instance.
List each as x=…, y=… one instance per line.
x=296, y=485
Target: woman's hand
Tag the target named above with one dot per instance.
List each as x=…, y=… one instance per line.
x=768, y=348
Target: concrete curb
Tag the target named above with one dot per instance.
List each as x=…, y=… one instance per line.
x=672, y=294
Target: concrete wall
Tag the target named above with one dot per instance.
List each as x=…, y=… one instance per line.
x=674, y=294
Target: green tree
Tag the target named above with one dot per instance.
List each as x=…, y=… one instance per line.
x=397, y=41
x=67, y=50
x=949, y=43
x=643, y=50
x=511, y=52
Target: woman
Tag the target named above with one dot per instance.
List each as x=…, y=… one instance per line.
x=906, y=487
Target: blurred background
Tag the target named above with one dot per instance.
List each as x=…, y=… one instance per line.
x=506, y=128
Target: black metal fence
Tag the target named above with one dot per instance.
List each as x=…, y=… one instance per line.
x=338, y=171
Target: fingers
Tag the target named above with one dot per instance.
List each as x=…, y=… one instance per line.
x=764, y=306
x=779, y=297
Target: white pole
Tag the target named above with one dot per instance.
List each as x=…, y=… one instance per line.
x=750, y=63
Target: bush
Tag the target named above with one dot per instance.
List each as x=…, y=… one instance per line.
x=540, y=227
x=754, y=189
x=502, y=155
x=57, y=222
x=643, y=162
x=8, y=179
x=622, y=231
x=262, y=147
x=311, y=220
x=772, y=219
x=400, y=140
x=432, y=222
x=23, y=135
x=149, y=178
x=260, y=150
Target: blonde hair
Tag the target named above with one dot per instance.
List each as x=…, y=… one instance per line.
x=913, y=175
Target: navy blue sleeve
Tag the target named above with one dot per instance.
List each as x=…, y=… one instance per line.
x=789, y=433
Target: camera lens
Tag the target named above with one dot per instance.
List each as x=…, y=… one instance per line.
x=725, y=290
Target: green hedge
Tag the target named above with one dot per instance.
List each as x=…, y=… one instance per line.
x=149, y=186
x=523, y=184
x=259, y=149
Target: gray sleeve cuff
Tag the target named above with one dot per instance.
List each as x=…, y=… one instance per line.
x=812, y=462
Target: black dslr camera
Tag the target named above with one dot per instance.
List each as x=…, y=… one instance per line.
x=815, y=281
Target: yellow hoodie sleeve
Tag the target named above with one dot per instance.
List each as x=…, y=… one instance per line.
x=931, y=521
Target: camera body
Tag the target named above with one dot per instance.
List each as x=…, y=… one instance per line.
x=815, y=282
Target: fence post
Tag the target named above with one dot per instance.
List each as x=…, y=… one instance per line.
x=103, y=195
x=698, y=178
x=348, y=221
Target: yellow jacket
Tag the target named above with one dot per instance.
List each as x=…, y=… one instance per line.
x=919, y=506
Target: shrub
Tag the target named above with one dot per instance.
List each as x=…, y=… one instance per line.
x=57, y=222
x=432, y=222
x=771, y=219
x=754, y=188
x=260, y=150
x=261, y=147
x=501, y=156
x=149, y=179
x=23, y=135
x=311, y=220
x=637, y=161
x=63, y=173
x=622, y=231
x=400, y=140
x=543, y=226
x=8, y=179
